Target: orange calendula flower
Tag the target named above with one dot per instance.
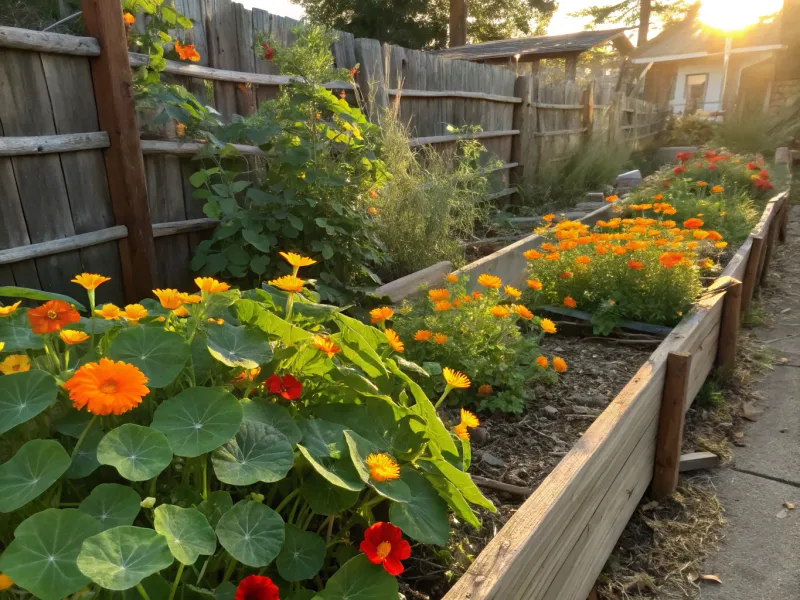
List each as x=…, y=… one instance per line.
x=549, y=217
x=191, y=298
x=211, y=285
x=452, y=278
x=484, y=390
x=288, y=283
x=559, y=364
x=325, y=345
x=442, y=306
x=455, y=379
x=169, y=298
x=128, y=18
x=134, y=313
x=246, y=376
x=376, y=315
x=534, y=284
x=440, y=339
x=187, y=52
x=181, y=311
x=512, y=291
x=90, y=281
x=671, y=259
x=717, y=189
x=552, y=256
x=438, y=295
x=612, y=198
x=423, y=335
x=635, y=265
x=522, y=311
x=477, y=295
x=296, y=260
x=542, y=361
x=52, y=316
x=490, y=281
x=583, y=260
x=7, y=310
x=461, y=432
x=500, y=312
x=468, y=420
x=721, y=245
x=532, y=254
x=382, y=467
x=107, y=387
x=372, y=211
x=619, y=250
x=566, y=275
x=547, y=326
x=16, y=363
x=569, y=302
x=701, y=184
x=693, y=223
x=658, y=197
x=394, y=340
x=72, y=337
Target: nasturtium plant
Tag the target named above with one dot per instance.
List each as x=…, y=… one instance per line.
x=210, y=441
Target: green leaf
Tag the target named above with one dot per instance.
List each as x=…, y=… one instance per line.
x=358, y=343
x=424, y=518
x=340, y=473
x=272, y=415
x=322, y=438
x=360, y=449
x=42, y=558
x=252, y=533
x=113, y=505
x=257, y=453
x=85, y=462
x=199, y=178
x=324, y=498
x=119, y=558
x=302, y=555
x=462, y=481
x=34, y=468
x=249, y=311
x=455, y=499
x=359, y=579
x=217, y=504
x=198, y=420
x=411, y=366
x=23, y=396
x=238, y=346
x=73, y=423
x=159, y=354
x=11, y=291
x=138, y=453
x=187, y=531
x=17, y=335
x=226, y=591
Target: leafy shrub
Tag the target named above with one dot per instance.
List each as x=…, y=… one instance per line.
x=689, y=130
x=759, y=133
x=478, y=334
x=262, y=420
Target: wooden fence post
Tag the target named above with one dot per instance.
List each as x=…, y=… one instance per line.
x=113, y=90
x=523, y=146
x=588, y=111
x=784, y=220
x=371, y=78
x=670, y=424
x=751, y=273
x=729, y=326
x=772, y=239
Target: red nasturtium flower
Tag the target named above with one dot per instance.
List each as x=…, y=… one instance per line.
x=257, y=587
x=287, y=386
x=679, y=169
x=693, y=223
x=52, y=316
x=384, y=545
x=269, y=51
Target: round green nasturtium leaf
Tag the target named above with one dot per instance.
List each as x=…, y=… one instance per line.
x=42, y=558
x=85, y=462
x=225, y=591
x=274, y=415
x=159, y=354
x=34, y=468
x=113, y=505
x=23, y=396
x=256, y=453
x=424, y=517
x=325, y=498
x=359, y=579
x=202, y=362
x=239, y=346
x=138, y=453
x=323, y=439
x=187, y=531
x=16, y=333
x=340, y=473
x=216, y=505
x=302, y=594
x=74, y=423
x=360, y=449
x=119, y=558
x=252, y=533
x=198, y=420
x=302, y=555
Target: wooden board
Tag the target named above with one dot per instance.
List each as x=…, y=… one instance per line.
x=223, y=51
x=42, y=41
x=53, y=144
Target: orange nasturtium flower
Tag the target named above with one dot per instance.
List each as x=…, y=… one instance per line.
x=7, y=310
x=484, y=390
x=16, y=363
x=500, y=312
x=635, y=265
x=90, y=281
x=394, y=340
x=107, y=387
x=542, y=361
x=110, y=312
x=52, y=316
x=512, y=291
x=490, y=281
x=187, y=52
x=72, y=336
x=522, y=311
x=288, y=283
x=382, y=467
x=325, y=345
x=452, y=278
x=559, y=364
x=455, y=379
x=569, y=302
x=134, y=313
x=693, y=223
x=547, y=326
x=438, y=295
x=534, y=284
x=211, y=285
x=376, y=315
x=532, y=254
x=440, y=338
x=170, y=299
x=423, y=335
x=128, y=18
x=442, y=306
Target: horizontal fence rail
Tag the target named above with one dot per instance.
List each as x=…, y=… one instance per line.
x=52, y=43
x=444, y=139
x=53, y=144
x=454, y=94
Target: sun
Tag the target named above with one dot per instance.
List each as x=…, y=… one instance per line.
x=733, y=15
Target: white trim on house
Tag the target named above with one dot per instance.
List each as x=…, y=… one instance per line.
x=669, y=57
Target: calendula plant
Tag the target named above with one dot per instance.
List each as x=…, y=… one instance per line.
x=478, y=333
x=217, y=444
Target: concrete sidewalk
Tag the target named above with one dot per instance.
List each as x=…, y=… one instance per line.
x=760, y=558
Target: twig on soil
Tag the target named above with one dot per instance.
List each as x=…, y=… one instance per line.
x=780, y=339
x=616, y=341
x=544, y=435
x=499, y=486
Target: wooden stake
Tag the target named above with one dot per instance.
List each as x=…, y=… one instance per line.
x=113, y=89
x=588, y=111
x=521, y=144
x=670, y=424
x=751, y=274
x=772, y=239
x=784, y=220
x=729, y=326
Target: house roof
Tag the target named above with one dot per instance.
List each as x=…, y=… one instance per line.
x=691, y=39
x=545, y=46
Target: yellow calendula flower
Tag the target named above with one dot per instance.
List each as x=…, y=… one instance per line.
x=534, y=284
x=721, y=245
x=169, y=298
x=452, y=278
x=16, y=363
x=438, y=295
x=423, y=335
x=500, y=312
x=490, y=281
x=288, y=283
x=211, y=285
x=440, y=339
x=442, y=306
x=191, y=298
x=382, y=467
x=7, y=310
x=394, y=340
x=109, y=312
x=2, y=345
x=461, y=432
x=297, y=260
x=90, y=281
x=5, y=582
x=380, y=314
x=469, y=419
x=181, y=311
x=134, y=313
x=547, y=326
x=455, y=379
x=512, y=291
x=559, y=364
x=72, y=337
x=522, y=311
x=325, y=345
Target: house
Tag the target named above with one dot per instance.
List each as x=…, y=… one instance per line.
x=694, y=68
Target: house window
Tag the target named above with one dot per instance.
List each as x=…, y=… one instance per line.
x=696, y=86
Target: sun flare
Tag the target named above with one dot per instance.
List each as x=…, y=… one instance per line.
x=733, y=15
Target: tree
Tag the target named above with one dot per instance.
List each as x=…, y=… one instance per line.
x=635, y=13
x=424, y=23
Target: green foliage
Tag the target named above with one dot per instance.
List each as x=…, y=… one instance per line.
x=689, y=130
x=755, y=133
x=627, y=12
